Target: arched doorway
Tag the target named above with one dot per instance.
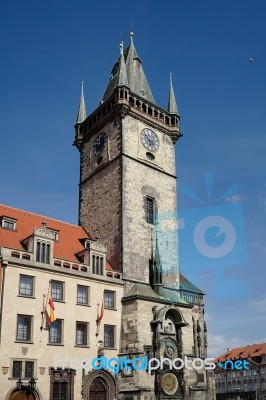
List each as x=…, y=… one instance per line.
x=98, y=390
x=22, y=395
x=98, y=385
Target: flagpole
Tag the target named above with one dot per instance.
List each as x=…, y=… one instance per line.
x=97, y=320
x=43, y=311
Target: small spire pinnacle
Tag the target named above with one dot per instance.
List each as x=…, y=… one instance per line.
x=121, y=45
x=122, y=75
x=172, y=107
x=82, y=109
x=131, y=36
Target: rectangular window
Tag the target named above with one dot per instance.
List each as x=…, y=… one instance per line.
x=109, y=336
x=109, y=299
x=81, y=334
x=9, y=223
x=29, y=369
x=150, y=214
x=17, y=369
x=24, y=328
x=22, y=369
x=62, y=384
x=55, y=332
x=26, y=285
x=57, y=290
x=82, y=295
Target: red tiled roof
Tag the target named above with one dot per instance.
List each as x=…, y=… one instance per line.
x=70, y=236
x=253, y=350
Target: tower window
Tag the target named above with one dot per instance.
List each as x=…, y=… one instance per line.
x=150, y=212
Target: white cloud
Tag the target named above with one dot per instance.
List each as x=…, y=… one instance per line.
x=259, y=305
x=218, y=344
x=235, y=198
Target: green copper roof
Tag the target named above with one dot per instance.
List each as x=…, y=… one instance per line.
x=185, y=284
x=142, y=290
x=173, y=295
x=128, y=71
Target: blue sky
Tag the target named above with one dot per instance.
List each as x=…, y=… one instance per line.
x=49, y=47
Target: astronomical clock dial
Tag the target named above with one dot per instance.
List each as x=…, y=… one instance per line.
x=100, y=144
x=149, y=139
x=169, y=383
x=169, y=349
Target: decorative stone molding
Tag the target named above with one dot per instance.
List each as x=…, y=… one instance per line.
x=106, y=379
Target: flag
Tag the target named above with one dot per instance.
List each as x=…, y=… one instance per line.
x=99, y=318
x=52, y=316
x=48, y=314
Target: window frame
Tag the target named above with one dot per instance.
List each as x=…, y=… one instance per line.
x=86, y=325
x=106, y=305
x=23, y=362
x=10, y=224
x=52, y=326
x=43, y=252
x=28, y=340
x=88, y=292
x=150, y=210
x=32, y=288
x=57, y=378
x=112, y=345
x=63, y=290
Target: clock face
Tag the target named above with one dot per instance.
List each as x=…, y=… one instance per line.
x=149, y=139
x=100, y=144
x=169, y=383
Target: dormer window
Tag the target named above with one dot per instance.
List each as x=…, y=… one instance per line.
x=97, y=265
x=9, y=223
x=114, y=71
x=43, y=245
x=137, y=63
x=43, y=252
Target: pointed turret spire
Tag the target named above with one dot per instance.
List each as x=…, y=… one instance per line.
x=172, y=107
x=82, y=109
x=122, y=74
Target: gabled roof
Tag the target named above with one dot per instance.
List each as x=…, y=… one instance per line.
x=128, y=71
x=71, y=237
x=254, y=350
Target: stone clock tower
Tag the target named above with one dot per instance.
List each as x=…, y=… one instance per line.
x=127, y=173
x=127, y=181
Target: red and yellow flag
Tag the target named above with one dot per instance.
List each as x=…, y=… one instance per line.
x=52, y=315
x=99, y=318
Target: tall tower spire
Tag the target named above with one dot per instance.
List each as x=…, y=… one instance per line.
x=172, y=107
x=81, y=116
x=128, y=71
